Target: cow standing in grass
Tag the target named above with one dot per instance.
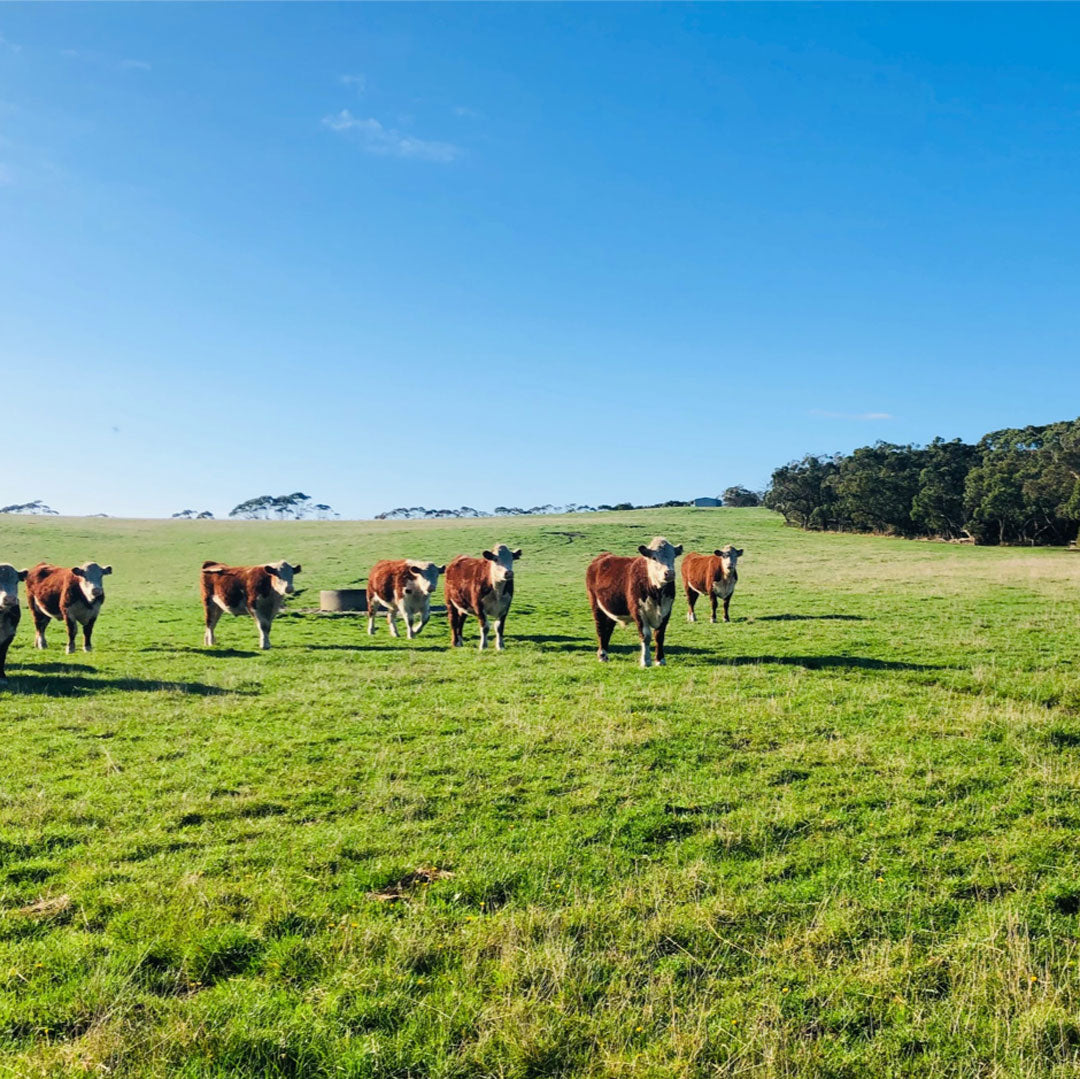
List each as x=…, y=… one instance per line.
x=712, y=575
x=72, y=596
x=10, y=612
x=482, y=587
x=640, y=589
x=256, y=590
x=402, y=586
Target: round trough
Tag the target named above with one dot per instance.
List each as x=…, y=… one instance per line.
x=343, y=599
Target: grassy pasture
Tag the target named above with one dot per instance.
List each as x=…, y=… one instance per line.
x=837, y=837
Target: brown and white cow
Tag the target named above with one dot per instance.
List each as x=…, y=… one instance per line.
x=69, y=595
x=403, y=587
x=256, y=590
x=640, y=589
x=713, y=575
x=482, y=587
x=10, y=613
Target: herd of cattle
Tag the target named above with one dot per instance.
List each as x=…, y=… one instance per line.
x=638, y=589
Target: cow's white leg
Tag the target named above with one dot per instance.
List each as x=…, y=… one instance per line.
x=499, y=626
x=371, y=618
x=646, y=645
x=263, y=625
x=406, y=614
x=391, y=621
x=483, y=634
x=425, y=617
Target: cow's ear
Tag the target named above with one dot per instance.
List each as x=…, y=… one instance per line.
x=22, y=574
x=718, y=553
x=416, y=571
x=517, y=553
x=272, y=570
x=678, y=550
x=642, y=549
x=106, y=571
x=489, y=556
x=440, y=569
x=296, y=568
x=78, y=571
x=739, y=551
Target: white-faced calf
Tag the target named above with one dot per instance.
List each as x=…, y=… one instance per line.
x=10, y=611
x=482, y=587
x=713, y=575
x=72, y=596
x=640, y=590
x=259, y=591
x=403, y=587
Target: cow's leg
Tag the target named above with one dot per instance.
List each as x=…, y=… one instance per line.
x=371, y=616
x=660, y=631
x=457, y=623
x=213, y=616
x=604, y=628
x=407, y=615
x=645, y=632
x=712, y=602
x=727, y=600
x=691, y=599
x=425, y=617
x=69, y=622
x=391, y=619
x=262, y=624
x=3, y=658
x=500, y=625
x=41, y=620
x=87, y=632
x=482, y=619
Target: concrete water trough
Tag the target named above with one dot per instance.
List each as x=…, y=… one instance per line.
x=343, y=599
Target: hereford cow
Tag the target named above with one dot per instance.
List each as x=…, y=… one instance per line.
x=256, y=590
x=713, y=575
x=403, y=587
x=9, y=609
x=640, y=589
x=69, y=595
x=482, y=587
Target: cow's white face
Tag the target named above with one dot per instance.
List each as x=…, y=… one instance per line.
x=9, y=585
x=502, y=563
x=92, y=580
x=729, y=557
x=281, y=576
x=425, y=577
x=660, y=559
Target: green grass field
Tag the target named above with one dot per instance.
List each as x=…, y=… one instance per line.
x=837, y=837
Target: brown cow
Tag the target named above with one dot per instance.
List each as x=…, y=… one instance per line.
x=404, y=587
x=641, y=589
x=713, y=575
x=482, y=587
x=256, y=590
x=9, y=609
x=69, y=595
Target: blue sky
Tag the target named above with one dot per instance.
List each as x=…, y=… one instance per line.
x=445, y=255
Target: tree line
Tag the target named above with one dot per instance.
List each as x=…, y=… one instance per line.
x=1017, y=485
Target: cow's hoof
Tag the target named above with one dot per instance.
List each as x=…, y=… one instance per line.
x=602, y=656
x=87, y=648
x=69, y=651
x=661, y=663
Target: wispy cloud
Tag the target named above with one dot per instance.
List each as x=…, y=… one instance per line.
x=9, y=45
x=357, y=82
x=91, y=57
x=135, y=65
x=7, y=177
x=827, y=415
x=376, y=139
x=466, y=113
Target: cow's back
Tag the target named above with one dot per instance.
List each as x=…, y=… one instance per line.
x=611, y=580
x=464, y=581
x=699, y=571
x=46, y=585
x=233, y=587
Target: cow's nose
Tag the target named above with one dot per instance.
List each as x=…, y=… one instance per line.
x=288, y=590
x=98, y=593
x=8, y=601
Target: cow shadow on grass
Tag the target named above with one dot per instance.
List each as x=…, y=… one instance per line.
x=812, y=663
x=26, y=684
x=811, y=618
x=50, y=668
x=213, y=652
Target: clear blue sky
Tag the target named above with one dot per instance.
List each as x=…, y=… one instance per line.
x=445, y=255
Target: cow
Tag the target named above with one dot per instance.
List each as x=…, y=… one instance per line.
x=70, y=596
x=256, y=590
x=404, y=587
x=10, y=612
x=482, y=587
x=713, y=575
x=641, y=589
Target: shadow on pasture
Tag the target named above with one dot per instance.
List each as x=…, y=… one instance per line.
x=390, y=645
x=811, y=618
x=812, y=663
x=552, y=638
x=50, y=668
x=187, y=649
x=26, y=685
